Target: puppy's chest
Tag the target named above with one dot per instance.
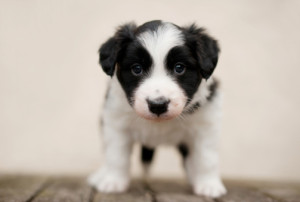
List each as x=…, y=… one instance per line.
x=170, y=133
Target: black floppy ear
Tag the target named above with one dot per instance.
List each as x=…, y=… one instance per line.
x=205, y=48
x=108, y=56
x=108, y=52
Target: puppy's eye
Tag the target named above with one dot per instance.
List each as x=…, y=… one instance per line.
x=179, y=69
x=137, y=69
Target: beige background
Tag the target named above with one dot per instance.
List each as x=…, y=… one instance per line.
x=51, y=87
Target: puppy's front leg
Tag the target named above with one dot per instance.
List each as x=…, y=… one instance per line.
x=113, y=176
x=202, y=164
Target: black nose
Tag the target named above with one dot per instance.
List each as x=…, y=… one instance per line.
x=158, y=106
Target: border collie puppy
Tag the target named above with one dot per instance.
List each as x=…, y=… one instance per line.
x=161, y=92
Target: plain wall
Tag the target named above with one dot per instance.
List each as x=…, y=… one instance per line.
x=52, y=89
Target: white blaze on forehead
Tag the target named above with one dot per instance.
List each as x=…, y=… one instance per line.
x=159, y=42
x=159, y=84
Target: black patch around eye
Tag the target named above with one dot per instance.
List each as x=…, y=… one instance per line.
x=190, y=80
x=134, y=53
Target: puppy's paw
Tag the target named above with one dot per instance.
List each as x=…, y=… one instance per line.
x=109, y=182
x=213, y=188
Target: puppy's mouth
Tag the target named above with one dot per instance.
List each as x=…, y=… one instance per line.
x=157, y=118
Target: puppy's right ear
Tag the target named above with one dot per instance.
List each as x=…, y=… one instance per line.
x=108, y=55
x=109, y=51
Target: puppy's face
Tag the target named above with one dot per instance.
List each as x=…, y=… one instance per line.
x=159, y=65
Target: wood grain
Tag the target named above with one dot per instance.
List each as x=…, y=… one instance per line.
x=75, y=189
x=64, y=190
x=137, y=192
x=173, y=191
x=241, y=193
x=287, y=192
x=19, y=188
x=278, y=191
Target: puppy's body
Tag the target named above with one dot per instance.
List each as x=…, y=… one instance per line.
x=161, y=93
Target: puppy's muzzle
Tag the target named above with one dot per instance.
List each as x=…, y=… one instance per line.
x=158, y=106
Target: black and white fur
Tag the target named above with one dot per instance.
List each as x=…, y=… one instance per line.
x=161, y=92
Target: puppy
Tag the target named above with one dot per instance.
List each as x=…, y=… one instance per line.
x=161, y=92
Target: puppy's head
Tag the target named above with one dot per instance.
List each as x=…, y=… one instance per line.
x=159, y=65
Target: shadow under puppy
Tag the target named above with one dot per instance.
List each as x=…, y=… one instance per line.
x=161, y=92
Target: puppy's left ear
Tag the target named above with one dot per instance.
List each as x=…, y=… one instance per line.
x=204, y=47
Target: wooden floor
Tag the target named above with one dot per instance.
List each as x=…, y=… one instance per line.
x=65, y=189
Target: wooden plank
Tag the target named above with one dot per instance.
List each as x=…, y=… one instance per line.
x=287, y=194
x=19, y=188
x=38, y=189
x=136, y=193
x=64, y=190
x=238, y=193
x=173, y=191
x=283, y=191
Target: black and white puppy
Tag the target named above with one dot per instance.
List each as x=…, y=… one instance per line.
x=161, y=92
